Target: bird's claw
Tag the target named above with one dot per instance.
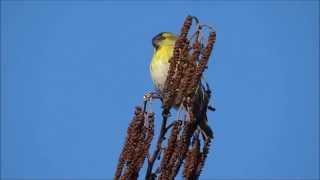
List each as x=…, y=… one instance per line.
x=151, y=95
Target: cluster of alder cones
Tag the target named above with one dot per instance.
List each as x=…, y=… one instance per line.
x=184, y=145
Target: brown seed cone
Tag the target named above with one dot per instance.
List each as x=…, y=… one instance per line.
x=188, y=73
x=191, y=161
x=183, y=145
x=174, y=161
x=203, y=157
x=165, y=163
x=134, y=132
x=179, y=74
x=202, y=64
x=145, y=142
x=178, y=51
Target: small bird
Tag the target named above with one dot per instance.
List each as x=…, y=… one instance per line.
x=163, y=44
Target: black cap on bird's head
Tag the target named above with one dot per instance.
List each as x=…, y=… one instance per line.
x=156, y=40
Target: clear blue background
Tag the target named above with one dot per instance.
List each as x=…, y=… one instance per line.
x=71, y=74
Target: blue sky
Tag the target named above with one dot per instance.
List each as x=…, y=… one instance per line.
x=72, y=72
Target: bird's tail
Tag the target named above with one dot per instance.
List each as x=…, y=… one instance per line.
x=200, y=110
x=206, y=128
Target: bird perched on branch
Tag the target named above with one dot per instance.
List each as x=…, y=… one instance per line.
x=163, y=44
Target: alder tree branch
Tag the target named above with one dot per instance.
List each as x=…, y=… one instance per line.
x=185, y=89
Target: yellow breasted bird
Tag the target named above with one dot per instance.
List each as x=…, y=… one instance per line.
x=163, y=44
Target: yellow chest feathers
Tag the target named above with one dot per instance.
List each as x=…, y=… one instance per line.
x=160, y=65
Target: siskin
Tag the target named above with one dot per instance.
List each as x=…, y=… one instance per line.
x=163, y=44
